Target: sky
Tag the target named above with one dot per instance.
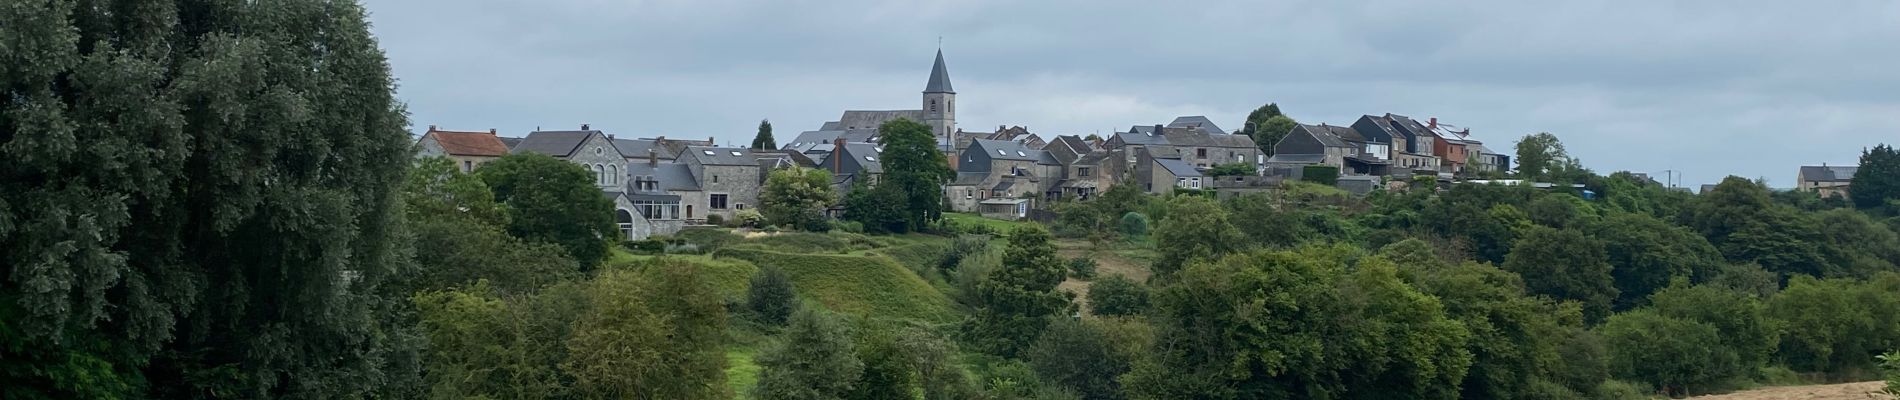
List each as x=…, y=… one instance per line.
x=1704, y=88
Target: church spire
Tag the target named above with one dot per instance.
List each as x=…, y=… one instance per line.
x=939, y=77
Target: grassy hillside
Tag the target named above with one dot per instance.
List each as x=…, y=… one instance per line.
x=872, y=286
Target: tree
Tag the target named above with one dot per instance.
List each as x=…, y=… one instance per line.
x=880, y=208
x=1016, y=300
x=1195, y=227
x=1672, y=354
x=1540, y=155
x=485, y=344
x=1266, y=125
x=1559, y=211
x=652, y=335
x=1878, y=179
x=1746, y=331
x=458, y=235
x=1232, y=169
x=1134, y=225
x=553, y=201
x=797, y=198
x=1836, y=325
x=1890, y=367
x=1516, y=340
x=764, y=140
x=1079, y=355
x=816, y=359
x=1117, y=295
x=185, y=188
x=1259, y=117
x=914, y=168
x=1320, y=174
x=1645, y=253
x=1567, y=265
x=1740, y=220
x=770, y=296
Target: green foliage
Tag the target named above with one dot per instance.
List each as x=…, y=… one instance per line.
x=1320, y=174
x=1015, y=301
x=1079, y=355
x=1196, y=227
x=1836, y=326
x=1645, y=253
x=863, y=285
x=1267, y=126
x=1890, y=367
x=1082, y=268
x=1541, y=157
x=879, y=209
x=815, y=360
x=1567, y=265
x=185, y=186
x=797, y=198
x=1134, y=225
x=708, y=239
x=1878, y=180
x=764, y=141
x=1672, y=354
x=770, y=296
x=915, y=170
x=1747, y=227
x=716, y=220
x=751, y=218
x=484, y=344
x=553, y=201
x=1117, y=295
x=1741, y=320
x=1231, y=169
x=654, y=335
x=1559, y=211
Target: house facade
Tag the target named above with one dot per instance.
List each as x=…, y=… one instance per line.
x=595, y=151
x=468, y=150
x=1001, y=177
x=1828, y=181
x=728, y=177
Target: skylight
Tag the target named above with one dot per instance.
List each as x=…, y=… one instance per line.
x=1001, y=153
x=708, y=152
x=880, y=149
x=1019, y=153
x=735, y=153
x=870, y=158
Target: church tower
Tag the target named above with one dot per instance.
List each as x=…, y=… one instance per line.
x=940, y=103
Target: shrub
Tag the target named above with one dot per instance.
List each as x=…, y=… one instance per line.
x=1117, y=295
x=961, y=247
x=1619, y=390
x=1082, y=268
x=1080, y=355
x=1134, y=225
x=770, y=298
x=715, y=219
x=687, y=248
x=1321, y=174
x=708, y=239
x=1890, y=365
x=749, y=218
x=848, y=226
x=646, y=246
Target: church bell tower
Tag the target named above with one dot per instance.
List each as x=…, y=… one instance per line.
x=940, y=103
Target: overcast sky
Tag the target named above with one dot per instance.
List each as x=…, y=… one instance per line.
x=1717, y=88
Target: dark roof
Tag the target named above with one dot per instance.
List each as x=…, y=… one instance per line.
x=1344, y=133
x=1196, y=121
x=1044, y=158
x=1177, y=167
x=1297, y=158
x=1074, y=142
x=469, y=143
x=939, y=77
x=1092, y=158
x=872, y=119
x=553, y=143
x=721, y=155
x=1193, y=138
x=670, y=175
x=1007, y=150
x=869, y=156
x=1411, y=125
x=510, y=142
x=1142, y=135
x=1828, y=173
x=970, y=178
x=637, y=148
x=1004, y=185
x=1323, y=134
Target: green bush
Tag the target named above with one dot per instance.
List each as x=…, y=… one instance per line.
x=1117, y=295
x=715, y=220
x=1890, y=366
x=749, y=218
x=1619, y=390
x=1134, y=225
x=645, y=246
x=1082, y=268
x=770, y=297
x=1321, y=174
x=708, y=239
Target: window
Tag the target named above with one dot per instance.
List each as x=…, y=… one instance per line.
x=736, y=154
x=1200, y=153
x=1001, y=153
x=870, y=158
x=689, y=211
x=599, y=150
x=740, y=206
x=969, y=194
x=613, y=174
x=1082, y=172
x=468, y=166
x=718, y=201
x=600, y=175
x=708, y=152
x=715, y=178
x=933, y=105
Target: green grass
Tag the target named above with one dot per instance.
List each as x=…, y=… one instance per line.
x=870, y=286
x=741, y=373
x=730, y=276
x=1001, y=226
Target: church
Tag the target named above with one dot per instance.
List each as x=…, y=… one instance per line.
x=938, y=111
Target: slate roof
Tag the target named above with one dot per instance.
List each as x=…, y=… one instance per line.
x=1044, y=158
x=1092, y=158
x=871, y=119
x=1828, y=173
x=1296, y=159
x=553, y=143
x=1142, y=136
x=510, y=142
x=1324, y=135
x=868, y=156
x=1074, y=142
x=1199, y=139
x=1178, y=168
x=469, y=143
x=637, y=149
x=831, y=126
x=672, y=176
x=721, y=155
x=1344, y=133
x=939, y=77
x=1008, y=150
x=1410, y=124
x=1196, y=121
x=970, y=178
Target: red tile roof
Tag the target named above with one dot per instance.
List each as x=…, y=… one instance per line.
x=470, y=143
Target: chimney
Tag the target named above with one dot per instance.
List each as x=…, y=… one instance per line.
x=491, y=131
x=837, y=162
x=653, y=157
x=1434, y=122
x=709, y=141
x=584, y=127
x=610, y=136
x=432, y=128
x=660, y=142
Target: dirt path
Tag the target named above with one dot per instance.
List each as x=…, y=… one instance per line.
x=1845, y=391
x=1107, y=263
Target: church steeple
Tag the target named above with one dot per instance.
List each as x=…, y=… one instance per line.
x=939, y=77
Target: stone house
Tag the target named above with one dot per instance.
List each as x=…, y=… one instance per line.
x=1419, y=143
x=595, y=151
x=1002, y=177
x=1313, y=145
x=1083, y=176
x=1828, y=181
x=468, y=150
x=1168, y=174
x=853, y=163
x=727, y=176
x=665, y=197
x=1205, y=149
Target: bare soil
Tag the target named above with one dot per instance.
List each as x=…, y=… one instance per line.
x=1106, y=263
x=1845, y=391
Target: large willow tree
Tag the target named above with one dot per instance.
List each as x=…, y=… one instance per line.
x=198, y=198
